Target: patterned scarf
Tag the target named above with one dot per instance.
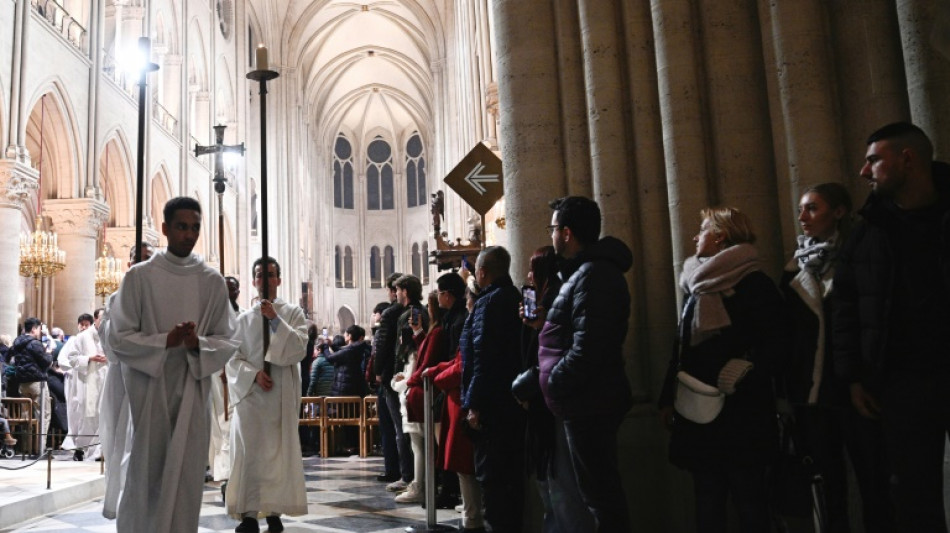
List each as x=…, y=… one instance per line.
x=816, y=256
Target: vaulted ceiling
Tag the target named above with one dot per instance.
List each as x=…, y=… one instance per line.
x=362, y=66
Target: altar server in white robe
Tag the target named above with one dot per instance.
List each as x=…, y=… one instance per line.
x=222, y=407
x=115, y=426
x=171, y=330
x=86, y=365
x=266, y=464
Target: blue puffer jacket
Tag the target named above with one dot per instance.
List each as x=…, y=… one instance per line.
x=580, y=357
x=491, y=350
x=31, y=359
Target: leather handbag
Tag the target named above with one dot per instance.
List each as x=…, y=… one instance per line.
x=697, y=401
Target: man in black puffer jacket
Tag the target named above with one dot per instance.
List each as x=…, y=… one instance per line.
x=892, y=285
x=32, y=362
x=581, y=358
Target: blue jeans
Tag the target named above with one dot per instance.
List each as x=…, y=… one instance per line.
x=403, y=446
x=387, y=436
x=592, y=442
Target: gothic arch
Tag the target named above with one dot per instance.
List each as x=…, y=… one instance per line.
x=161, y=192
x=62, y=177
x=116, y=169
x=345, y=317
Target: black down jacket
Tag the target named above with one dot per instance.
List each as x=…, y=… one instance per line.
x=31, y=359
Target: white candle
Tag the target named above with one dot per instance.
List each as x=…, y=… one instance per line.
x=261, y=57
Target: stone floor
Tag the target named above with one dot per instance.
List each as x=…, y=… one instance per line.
x=342, y=492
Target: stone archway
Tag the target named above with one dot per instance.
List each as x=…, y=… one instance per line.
x=345, y=318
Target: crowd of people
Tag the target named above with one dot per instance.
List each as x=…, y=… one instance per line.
x=842, y=360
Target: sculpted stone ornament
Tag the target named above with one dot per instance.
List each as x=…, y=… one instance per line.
x=17, y=183
x=77, y=216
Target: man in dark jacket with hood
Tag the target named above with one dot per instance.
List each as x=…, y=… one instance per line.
x=32, y=361
x=892, y=285
x=581, y=355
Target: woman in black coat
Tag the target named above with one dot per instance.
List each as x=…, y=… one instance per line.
x=348, y=361
x=731, y=336
x=825, y=422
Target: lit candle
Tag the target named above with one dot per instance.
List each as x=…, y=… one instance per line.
x=261, y=57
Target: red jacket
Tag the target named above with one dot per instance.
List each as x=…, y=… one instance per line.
x=456, y=454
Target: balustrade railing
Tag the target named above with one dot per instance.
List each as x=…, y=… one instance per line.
x=60, y=19
x=165, y=119
x=125, y=80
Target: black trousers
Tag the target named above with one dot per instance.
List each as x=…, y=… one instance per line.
x=500, y=469
x=916, y=418
x=592, y=444
x=749, y=491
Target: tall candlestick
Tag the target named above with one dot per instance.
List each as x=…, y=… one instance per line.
x=262, y=57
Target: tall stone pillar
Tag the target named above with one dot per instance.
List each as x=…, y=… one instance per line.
x=17, y=184
x=737, y=102
x=530, y=130
x=76, y=222
x=806, y=91
x=683, y=118
x=928, y=72
x=576, y=136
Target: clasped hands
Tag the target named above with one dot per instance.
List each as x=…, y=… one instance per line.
x=184, y=333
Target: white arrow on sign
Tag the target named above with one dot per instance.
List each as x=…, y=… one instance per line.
x=475, y=179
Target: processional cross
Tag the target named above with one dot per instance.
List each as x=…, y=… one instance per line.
x=219, y=149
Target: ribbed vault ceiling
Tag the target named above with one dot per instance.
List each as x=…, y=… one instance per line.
x=363, y=66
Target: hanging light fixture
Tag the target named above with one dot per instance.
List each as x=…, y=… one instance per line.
x=108, y=274
x=40, y=256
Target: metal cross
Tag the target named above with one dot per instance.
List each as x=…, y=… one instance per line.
x=219, y=149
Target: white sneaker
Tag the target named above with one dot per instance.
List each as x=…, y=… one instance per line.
x=397, y=486
x=412, y=494
x=459, y=508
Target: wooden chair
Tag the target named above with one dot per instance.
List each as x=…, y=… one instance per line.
x=339, y=411
x=311, y=414
x=20, y=414
x=370, y=419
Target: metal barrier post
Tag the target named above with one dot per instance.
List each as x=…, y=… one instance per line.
x=429, y=427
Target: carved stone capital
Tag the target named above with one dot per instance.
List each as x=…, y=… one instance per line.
x=491, y=99
x=18, y=182
x=77, y=216
x=122, y=239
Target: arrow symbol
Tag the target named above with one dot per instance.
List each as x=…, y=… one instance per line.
x=475, y=179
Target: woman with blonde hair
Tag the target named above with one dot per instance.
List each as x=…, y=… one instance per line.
x=717, y=398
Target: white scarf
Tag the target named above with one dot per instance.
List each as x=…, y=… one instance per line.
x=708, y=280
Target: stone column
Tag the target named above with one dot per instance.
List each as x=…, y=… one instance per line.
x=928, y=73
x=530, y=129
x=576, y=136
x=19, y=116
x=683, y=118
x=18, y=182
x=806, y=92
x=739, y=120
x=90, y=183
x=77, y=223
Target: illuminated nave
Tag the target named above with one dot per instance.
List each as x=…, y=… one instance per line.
x=653, y=108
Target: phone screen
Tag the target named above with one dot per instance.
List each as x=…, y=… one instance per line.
x=324, y=332
x=530, y=303
x=415, y=315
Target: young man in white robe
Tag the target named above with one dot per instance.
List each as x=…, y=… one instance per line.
x=170, y=329
x=266, y=464
x=85, y=364
x=115, y=426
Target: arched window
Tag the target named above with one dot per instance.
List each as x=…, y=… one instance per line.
x=425, y=262
x=348, y=268
x=375, y=268
x=389, y=262
x=415, y=171
x=416, y=263
x=343, y=173
x=379, y=175
x=338, y=267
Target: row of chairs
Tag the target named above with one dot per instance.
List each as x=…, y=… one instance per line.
x=332, y=412
x=22, y=423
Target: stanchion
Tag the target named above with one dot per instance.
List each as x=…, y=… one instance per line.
x=429, y=427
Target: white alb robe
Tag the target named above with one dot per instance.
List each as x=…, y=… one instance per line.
x=219, y=451
x=84, y=383
x=168, y=388
x=266, y=463
x=115, y=424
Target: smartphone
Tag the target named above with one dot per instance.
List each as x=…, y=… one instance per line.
x=466, y=265
x=415, y=315
x=530, y=300
x=324, y=332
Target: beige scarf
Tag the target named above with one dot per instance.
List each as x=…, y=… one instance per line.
x=707, y=280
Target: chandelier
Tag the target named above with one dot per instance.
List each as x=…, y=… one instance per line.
x=108, y=275
x=40, y=256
